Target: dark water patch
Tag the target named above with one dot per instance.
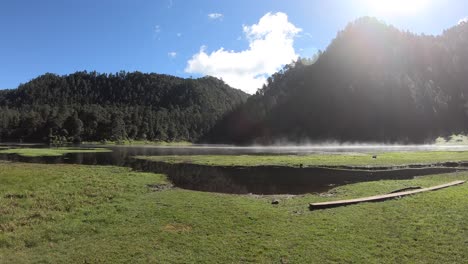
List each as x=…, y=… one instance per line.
x=272, y=179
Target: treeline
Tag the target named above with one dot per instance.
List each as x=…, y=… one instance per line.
x=94, y=107
x=373, y=83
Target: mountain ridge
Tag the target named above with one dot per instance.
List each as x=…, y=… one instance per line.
x=93, y=107
x=372, y=83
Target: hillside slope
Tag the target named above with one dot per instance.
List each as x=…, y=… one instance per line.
x=373, y=83
x=92, y=106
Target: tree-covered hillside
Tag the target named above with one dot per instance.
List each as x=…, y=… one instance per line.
x=93, y=107
x=373, y=83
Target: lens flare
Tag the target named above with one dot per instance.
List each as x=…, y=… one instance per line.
x=397, y=7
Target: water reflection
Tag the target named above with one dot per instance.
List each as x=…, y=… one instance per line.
x=272, y=179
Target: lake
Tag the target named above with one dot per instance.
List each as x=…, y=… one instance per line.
x=265, y=180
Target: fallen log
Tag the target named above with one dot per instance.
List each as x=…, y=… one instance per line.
x=376, y=198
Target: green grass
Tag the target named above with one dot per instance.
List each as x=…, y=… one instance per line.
x=383, y=159
x=50, y=152
x=103, y=214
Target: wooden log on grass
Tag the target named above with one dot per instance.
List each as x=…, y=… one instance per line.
x=377, y=198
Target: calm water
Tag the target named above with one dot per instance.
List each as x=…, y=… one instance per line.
x=243, y=180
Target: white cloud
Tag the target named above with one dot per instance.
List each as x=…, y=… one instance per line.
x=172, y=54
x=463, y=20
x=157, y=29
x=270, y=47
x=215, y=16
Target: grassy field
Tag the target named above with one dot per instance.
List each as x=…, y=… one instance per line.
x=383, y=159
x=94, y=214
x=50, y=152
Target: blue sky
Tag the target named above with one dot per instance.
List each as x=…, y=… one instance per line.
x=185, y=38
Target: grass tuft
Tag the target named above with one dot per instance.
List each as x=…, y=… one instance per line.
x=50, y=152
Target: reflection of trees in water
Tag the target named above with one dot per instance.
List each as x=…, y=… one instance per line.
x=76, y=159
x=194, y=177
x=271, y=180
x=206, y=179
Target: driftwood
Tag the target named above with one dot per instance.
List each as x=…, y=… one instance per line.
x=377, y=198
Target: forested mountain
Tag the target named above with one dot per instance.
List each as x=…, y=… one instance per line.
x=373, y=83
x=94, y=107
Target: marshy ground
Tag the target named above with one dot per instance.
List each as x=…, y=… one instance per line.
x=50, y=152
x=385, y=159
x=82, y=213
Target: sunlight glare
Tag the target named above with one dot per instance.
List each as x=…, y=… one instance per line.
x=397, y=7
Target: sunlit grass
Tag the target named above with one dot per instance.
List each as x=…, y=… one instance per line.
x=382, y=159
x=96, y=214
x=50, y=152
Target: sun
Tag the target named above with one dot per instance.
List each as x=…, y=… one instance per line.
x=397, y=7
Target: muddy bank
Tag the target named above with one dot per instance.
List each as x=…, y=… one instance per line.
x=448, y=164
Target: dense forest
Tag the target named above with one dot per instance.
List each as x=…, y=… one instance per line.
x=373, y=83
x=94, y=107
